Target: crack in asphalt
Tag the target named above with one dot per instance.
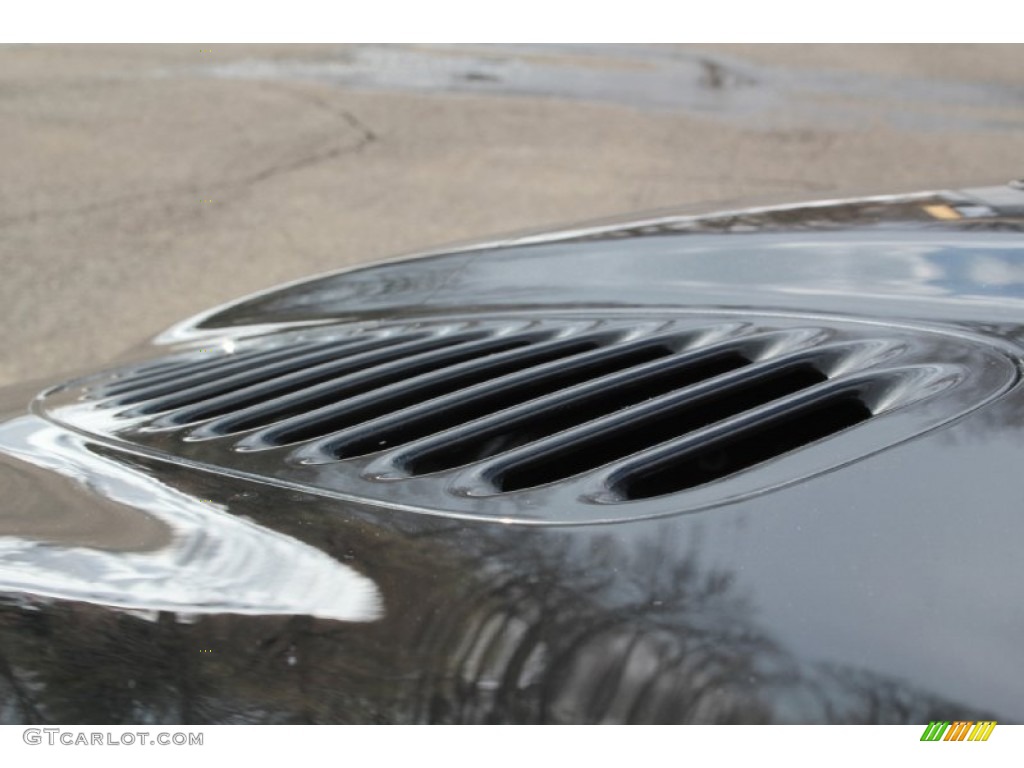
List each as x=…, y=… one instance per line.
x=366, y=136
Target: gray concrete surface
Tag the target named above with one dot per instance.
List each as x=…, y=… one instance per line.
x=143, y=184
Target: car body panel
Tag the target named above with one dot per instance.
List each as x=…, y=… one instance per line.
x=137, y=588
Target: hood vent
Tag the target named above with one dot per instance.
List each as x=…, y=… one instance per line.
x=561, y=419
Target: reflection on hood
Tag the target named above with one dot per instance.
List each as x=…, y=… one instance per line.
x=181, y=554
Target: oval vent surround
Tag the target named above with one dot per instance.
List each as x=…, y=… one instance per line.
x=562, y=419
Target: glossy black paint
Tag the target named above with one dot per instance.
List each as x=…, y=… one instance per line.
x=594, y=448
x=885, y=590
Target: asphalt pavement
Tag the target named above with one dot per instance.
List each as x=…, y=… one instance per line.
x=142, y=184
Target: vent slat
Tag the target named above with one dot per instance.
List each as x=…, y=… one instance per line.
x=251, y=376
x=758, y=434
x=203, y=371
x=298, y=383
x=708, y=458
x=596, y=443
x=493, y=396
x=459, y=371
x=155, y=373
x=206, y=373
x=193, y=365
x=323, y=398
x=581, y=404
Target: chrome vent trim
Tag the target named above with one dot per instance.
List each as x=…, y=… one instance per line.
x=567, y=418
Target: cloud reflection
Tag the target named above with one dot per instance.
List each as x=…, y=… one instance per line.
x=186, y=555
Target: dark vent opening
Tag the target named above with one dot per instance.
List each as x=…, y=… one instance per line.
x=589, y=453
x=174, y=372
x=425, y=391
x=739, y=452
x=147, y=372
x=202, y=371
x=487, y=443
x=299, y=403
x=467, y=410
x=297, y=382
x=422, y=360
x=243, y=379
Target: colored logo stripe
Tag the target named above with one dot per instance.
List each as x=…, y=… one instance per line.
x=959, y=730
x=982, y=730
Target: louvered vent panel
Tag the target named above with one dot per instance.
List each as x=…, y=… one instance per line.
x=580, y=413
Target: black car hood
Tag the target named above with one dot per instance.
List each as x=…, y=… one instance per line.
x=143, y=580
